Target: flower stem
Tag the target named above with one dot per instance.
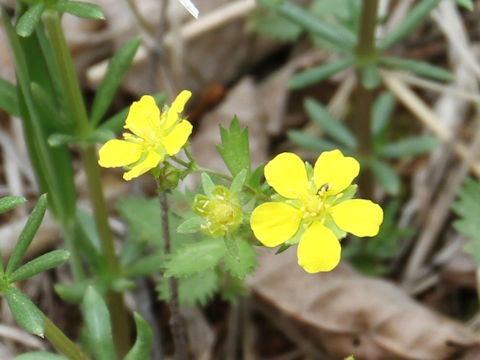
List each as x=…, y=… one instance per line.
x=61, y=341
x=176, y=321
x=365, y=56
x=75, y=108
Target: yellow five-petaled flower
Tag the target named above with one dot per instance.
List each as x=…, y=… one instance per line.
x=154, y=135
x=312, y=207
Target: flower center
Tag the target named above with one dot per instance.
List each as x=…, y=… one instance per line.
x=314, y=206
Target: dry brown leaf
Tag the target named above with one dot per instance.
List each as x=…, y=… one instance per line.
x=351, y=314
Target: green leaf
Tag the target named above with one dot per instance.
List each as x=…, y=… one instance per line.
x=147, y=265
x=28, y=232
x=386, y=177
x=116, y=122
x=25, y=312
x=243, y=264
x=39, y=355
x=271, y=24
x=116, y=70
x=232, y=247
x=191, y=225
x=39, y=264
x=411, y=21
x=234, y=149
x=192, y=290
x=318, y=73
x=331, y=125
x=311, y=142
x=335, y=35
x=195, y=258
x=8, y=98
x=73, y=293
x=381, y=112
x=415, y=145
x=370, y=76
x=81, y=9
x=10, y=202
x=207, y=184
x=418, y=67
x=29, y=20
x=239, y=181
x=97, y=320
x=101, y=136
x=467, y=4
x=144, y=342
x=59, y=139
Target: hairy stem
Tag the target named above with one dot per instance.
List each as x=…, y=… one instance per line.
x=176, y=321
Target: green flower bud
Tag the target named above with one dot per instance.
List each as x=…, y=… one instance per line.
x=168, y=177
x=222, y=211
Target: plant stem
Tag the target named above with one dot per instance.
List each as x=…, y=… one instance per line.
x=365, y=56
x=61, y=341
x=176, y=321
x=75, y=108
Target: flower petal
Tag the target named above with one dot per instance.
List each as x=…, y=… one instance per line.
x=115, y=153
x=319, y=249
x=336, y=170
x=177, y=107
x=152, y=159
x=274, y=223
x=144, y=118
x=174, y=141
x=286, y=173
x=359, y=217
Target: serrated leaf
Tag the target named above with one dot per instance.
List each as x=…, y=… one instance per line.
x=411, y=21
x=244, y=263
x=116, y=70
x=42, y=263
x=232, y=247
x=191, y=225
x=8, y=98
x=192, y=290
x=195, y=258
x=25, y=312
x=331, y=125
x=29, y=20
x=10, y=202
x=99, y=329
x=310, y=142
x=144, y=342
x=28, y=232
x=418, y=67
x=318, y=73
x=415, y=145
x=39, y=355
x=386, y=177
x=234, y=149
x=239, y=181
x=81, y=9
x=382, y=112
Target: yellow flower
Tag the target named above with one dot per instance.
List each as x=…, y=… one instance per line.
x=155, y=135
x=312, y=209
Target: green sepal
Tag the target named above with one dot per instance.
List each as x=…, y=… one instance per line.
x=244, y=263
x=234, y=150
x=29, y=20
x=382, y=112
x=318, y=73
x=25, y=312
x=330, y=124
x=347, y=194
x=207, y=184
x=81, y=9
x=386, y=177
x=116, y=70
x=339, y=233
x=191, y=225
x=207, y=253
x=39, y=355
x=28, y=232
x=411, y=21
x=10, y=202
x=418, y=67
x=239, y=181
x=99, y=329
x=8, y=98
x=415, y=145
x=283, y=248
x=42, y=263
x=144, y=341
x=311, y=142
